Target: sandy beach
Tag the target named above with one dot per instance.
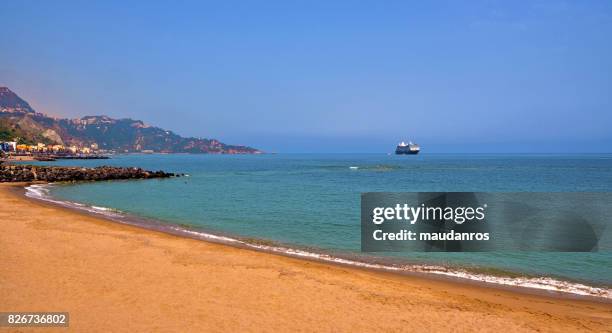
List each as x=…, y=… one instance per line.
x=113, y=277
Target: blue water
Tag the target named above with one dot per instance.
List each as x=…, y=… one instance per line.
x=313, y=199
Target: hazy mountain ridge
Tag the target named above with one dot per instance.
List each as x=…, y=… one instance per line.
x=18, y=119
x=11, y=103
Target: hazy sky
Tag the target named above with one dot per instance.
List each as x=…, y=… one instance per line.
x=328, y=76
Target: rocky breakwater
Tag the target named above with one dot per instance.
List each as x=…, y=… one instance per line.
x=31, y=173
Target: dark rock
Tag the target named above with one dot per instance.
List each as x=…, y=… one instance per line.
x=29, y=173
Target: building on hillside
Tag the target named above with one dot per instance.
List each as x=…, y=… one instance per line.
x=8, y=146
x=58, y=148
x=41, y=147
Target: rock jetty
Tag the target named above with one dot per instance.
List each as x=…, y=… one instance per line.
x=30, y=173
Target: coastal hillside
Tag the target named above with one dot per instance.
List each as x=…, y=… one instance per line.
x=18, y=120
x=11, y=103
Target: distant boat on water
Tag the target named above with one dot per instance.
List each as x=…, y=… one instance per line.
x=407, y=148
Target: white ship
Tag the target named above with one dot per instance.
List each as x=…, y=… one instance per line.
x=407, y=148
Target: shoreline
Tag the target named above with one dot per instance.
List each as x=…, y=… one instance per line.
x=543, y=286
x=61, y=260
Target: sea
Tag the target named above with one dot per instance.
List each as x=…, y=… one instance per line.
x=308, y=205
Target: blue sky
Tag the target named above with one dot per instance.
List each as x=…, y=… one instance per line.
x=325, y=76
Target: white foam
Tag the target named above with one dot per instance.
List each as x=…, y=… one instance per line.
x=41, y=192
x=104, y=209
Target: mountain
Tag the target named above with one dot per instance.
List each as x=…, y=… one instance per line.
x=18, y=119
x=11, y=103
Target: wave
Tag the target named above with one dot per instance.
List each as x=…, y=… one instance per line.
x=367, y=167
x=42, y=192
x=377, y=167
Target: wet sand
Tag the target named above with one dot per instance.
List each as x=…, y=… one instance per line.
x=113, y=277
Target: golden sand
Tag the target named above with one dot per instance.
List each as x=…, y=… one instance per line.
x=112, y=278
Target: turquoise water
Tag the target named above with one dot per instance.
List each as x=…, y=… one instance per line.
x=312, y=200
